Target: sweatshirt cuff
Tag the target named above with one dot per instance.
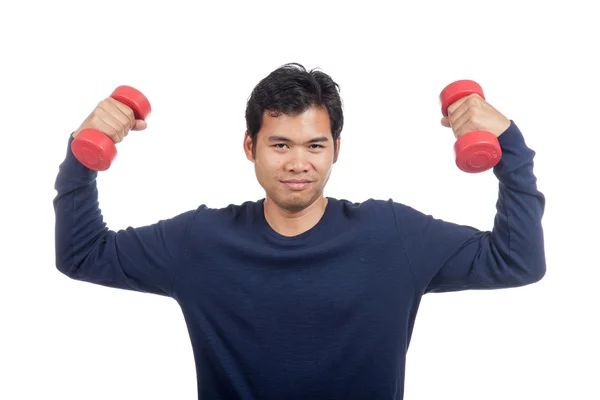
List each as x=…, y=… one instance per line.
x=72, y=168
x=515, y=152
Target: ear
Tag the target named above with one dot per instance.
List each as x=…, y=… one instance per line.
x=248, y=147
x=338, y=142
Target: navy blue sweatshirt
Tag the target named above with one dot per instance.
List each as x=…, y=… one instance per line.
x=327, y=314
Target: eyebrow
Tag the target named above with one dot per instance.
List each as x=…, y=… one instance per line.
x=277, y=138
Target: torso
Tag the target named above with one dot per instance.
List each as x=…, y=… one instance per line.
x=327, y=314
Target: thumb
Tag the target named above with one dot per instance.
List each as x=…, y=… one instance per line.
x=446, y=122
x=140, y=125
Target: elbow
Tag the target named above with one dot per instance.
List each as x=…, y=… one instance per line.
x=536, y=264
x=531, y=270
x=521, y=270
x=76, y=259
x=536, y=273
x=67, y=265
x=67, y=269
x=522, y=263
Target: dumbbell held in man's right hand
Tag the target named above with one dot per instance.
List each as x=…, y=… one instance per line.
x=94, y=143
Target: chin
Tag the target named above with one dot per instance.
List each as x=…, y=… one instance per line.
x=295, y=201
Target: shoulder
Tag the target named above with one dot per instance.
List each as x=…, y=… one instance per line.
x=372, y=206
x=230, y=212
x=385, y=212
x=374, y=209
x=224, y=218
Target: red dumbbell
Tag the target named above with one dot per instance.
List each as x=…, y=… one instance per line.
x=95, y=149
x=476, y=151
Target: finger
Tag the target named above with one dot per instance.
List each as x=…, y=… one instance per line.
x=124, y=121
x=107, y=129
x=115, y=127
x=458, y=114
x=465, y=123
x=445, y=121
x=123, y=113
x=126, y=112
x=140, y=125
x=467, y=99
x=452, y=107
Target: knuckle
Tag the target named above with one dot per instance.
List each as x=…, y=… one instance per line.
x=453, y=107
x=96, y=112
x=470, y=103
x=104, y=103
x=96, y=119
x=473, y=113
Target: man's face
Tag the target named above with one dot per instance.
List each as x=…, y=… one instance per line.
x=293, y=157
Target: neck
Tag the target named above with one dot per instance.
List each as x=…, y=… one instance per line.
x=293, y=223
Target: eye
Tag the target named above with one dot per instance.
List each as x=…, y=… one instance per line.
x=279, y=145
x=317, y=146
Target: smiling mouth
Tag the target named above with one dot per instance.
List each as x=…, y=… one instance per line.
x=297, y=184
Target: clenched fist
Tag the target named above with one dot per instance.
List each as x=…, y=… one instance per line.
x=112, y=118
x=472, y=113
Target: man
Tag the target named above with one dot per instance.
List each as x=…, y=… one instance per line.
x=298, y=295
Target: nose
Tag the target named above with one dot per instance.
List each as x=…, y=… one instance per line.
x=298, y=161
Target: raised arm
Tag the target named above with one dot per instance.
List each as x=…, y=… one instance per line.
x=451, y=257
x=143, y=259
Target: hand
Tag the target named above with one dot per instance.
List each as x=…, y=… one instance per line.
x=472, y=113
x=112, y=118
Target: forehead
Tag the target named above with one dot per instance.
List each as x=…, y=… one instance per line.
x=304, y=126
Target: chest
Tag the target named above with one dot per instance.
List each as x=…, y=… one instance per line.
x=328, y=284
x=291, y=319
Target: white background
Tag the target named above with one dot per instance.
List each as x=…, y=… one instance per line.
x=197, y=62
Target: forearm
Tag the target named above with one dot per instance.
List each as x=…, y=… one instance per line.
x=79, y=222
x=518, y=233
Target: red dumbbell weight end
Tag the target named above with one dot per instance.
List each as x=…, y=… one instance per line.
x=476, y=151
x=95, y=149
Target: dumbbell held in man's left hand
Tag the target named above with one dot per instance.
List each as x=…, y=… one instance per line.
x=476, y=125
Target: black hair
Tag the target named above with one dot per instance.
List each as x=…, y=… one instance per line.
x=291, y=89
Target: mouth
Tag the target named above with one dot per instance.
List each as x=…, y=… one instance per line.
x=297, y=184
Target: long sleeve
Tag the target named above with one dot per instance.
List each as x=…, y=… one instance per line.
x=450, y=257
x=142, y=259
